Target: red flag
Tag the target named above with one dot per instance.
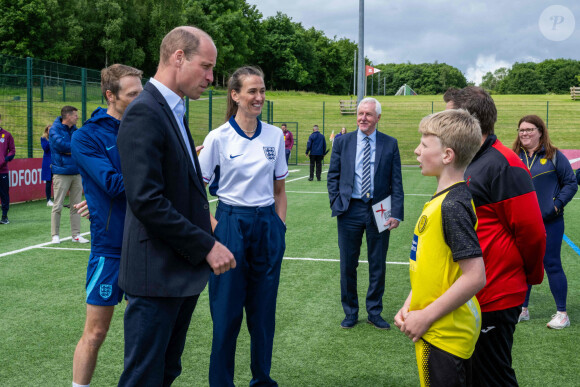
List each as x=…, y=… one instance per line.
x=370, y=70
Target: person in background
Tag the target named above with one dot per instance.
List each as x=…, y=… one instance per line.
x=511, y=236
x=250, y=220
x=97, y=156
x=7, y=153
x=342, y=131
x=555, y=186
x=288, y=141
x=46, y=173
x=316, y=146
x=65, y=172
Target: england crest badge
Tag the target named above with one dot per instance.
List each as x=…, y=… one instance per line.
x=270, y=153
x=105, y=291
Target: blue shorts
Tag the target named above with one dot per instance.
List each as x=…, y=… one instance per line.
x=103, y=281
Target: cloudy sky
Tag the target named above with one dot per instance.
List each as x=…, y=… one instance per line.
x=474, y=36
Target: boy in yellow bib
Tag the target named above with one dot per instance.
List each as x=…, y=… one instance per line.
x=441, y=314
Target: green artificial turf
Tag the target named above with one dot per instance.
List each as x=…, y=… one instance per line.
x=42, y=307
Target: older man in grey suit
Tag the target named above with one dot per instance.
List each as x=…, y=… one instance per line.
x=365, y=168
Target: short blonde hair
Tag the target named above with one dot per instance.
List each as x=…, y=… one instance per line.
x=456, y=129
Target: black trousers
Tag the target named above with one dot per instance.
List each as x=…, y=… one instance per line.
x=318, y=161
x=492, y=359
x=4, y=193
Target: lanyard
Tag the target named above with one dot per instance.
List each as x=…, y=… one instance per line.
x=528, y=161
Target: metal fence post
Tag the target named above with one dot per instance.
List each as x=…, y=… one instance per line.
x=63, y=90
x=210, y=111
x=323, y=115
x=547, y=113
x=42, y=89
x=29, y=103
x=84, y=94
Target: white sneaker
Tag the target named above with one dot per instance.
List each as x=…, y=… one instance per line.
x=524, y=316
x=49, y=203
x=55, y=239
x=559, y=321
x=80, y=239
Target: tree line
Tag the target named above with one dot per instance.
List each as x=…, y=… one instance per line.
x=550, y=76
x=97, y=33
x=425, y=78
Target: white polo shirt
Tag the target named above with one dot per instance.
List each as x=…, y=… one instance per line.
x=247, y=166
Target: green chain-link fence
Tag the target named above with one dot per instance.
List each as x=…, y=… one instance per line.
x=33, y=91
x=401, y=116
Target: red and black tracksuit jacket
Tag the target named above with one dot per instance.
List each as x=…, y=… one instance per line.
x=510, y=227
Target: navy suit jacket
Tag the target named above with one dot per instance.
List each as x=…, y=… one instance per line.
x=167, y=232
x=387, y=178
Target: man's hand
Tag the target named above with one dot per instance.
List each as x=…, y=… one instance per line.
x=82, y=209
x=392, y=223
x=220, y=259
x=198, y=149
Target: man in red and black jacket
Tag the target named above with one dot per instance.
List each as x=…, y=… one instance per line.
x=511, y=234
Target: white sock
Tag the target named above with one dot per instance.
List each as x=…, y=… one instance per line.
x=80, y=385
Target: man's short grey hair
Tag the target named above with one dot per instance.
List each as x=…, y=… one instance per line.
x=371, y=100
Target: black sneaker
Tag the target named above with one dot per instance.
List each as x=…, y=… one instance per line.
x=310, y=179
x=4, y=220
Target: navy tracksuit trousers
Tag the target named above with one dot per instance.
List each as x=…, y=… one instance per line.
x=553, y=264
x=256, y=237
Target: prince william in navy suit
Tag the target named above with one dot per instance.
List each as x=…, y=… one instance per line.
x=168, y=247
x=365, y=168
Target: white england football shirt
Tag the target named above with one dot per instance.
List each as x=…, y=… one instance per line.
x=247, y=166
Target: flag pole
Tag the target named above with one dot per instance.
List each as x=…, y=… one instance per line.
x=361, y=54
x=354, y=74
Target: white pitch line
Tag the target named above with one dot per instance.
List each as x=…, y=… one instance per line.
x=211, y=201
x=36, y=246
x=303, y=177
x=63, y=248
x=287, y=181
x=326, y=193
x=337, y=260
x=307, y=192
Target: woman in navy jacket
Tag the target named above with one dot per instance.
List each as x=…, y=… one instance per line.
x=555, y=186
x=46, y=173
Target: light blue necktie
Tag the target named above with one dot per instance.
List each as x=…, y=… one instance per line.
x=180, y=111
x=366, y=175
